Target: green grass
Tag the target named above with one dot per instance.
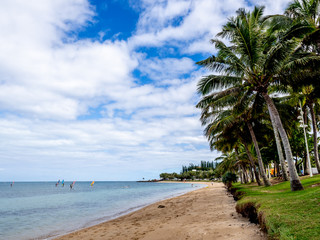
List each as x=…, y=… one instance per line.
x=288, y=215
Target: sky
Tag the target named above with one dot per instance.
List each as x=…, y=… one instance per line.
x=105, y=90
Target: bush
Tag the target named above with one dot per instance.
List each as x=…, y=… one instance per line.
x=228, y=178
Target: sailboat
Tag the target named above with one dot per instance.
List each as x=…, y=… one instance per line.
x=57, y=183
x=72, y=184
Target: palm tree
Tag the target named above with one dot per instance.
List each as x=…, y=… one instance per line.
x=243, y=161
x=307, y=96
x=255, y=60
x=225, y=128
x=280, y=152
x=309, y=10
x=228, y=162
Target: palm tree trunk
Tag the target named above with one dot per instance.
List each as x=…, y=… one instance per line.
x=278, y=168
x=240, y=174
x=266, y=181
x=239, y=168
x=251, y=173
x=307, y=153
x=245, y=175
x=315, y=137
x=252, y=164
x=294, y=178
x=279, y=148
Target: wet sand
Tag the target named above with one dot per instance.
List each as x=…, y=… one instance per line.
x=207, y=213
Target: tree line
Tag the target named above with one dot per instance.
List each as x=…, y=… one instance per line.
x=205, y=170
x=264, y=92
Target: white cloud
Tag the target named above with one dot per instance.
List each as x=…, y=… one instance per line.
x=166, y=68
x=201, y=22
x=160, y=14
x=198, y=22
x=272, y=7
x=48, y=74
x=49, y=79
x=106, y=144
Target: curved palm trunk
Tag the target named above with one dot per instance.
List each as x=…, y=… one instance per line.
x=245, y=174
x=279, y=148
x=252, y=163
x=239, y=168
x=315, y=137
x=294, y=178
x=240, y=174
x=266, y=181
x=251, y=173
x=242, y=171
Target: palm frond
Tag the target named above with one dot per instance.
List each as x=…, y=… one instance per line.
x=214, y=82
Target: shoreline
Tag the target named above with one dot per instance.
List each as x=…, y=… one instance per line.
x=92, y=223
x=205, y=212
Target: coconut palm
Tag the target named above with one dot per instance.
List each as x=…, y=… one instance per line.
x=225, y=128
x=309, y=11
x=255, y=60
x=228, y=162
x=304, y=10
x=306, y=94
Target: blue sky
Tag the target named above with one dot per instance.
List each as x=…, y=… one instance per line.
x=105, y=90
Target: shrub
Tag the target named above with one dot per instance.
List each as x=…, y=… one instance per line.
x=228, y=178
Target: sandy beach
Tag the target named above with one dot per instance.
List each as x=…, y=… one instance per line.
x=207, y=213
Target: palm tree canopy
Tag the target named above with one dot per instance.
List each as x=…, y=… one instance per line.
x=305, y=10
x=255, y=58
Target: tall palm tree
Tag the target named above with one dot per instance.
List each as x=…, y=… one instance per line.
x=224, y=127
x=248, y=107
x=230, y=143
x=243, y=162
x=280, y=152
x=309, y=10
x=255, y=60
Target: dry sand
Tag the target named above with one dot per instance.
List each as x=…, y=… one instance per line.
x=207, y=213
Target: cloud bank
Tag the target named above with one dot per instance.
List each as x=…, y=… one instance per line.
x=81, y=108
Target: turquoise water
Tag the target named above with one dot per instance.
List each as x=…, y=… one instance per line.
x=39, y=210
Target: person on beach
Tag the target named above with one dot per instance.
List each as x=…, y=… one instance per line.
x=71, y=185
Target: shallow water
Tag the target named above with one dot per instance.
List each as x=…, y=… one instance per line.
x=38, y=210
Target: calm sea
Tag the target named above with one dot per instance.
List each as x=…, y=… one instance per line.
x=40, y=210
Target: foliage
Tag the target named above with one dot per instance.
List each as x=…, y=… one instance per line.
x=204, y=166
x=206, y=170
x=264, y=56
x=287, y=215
x=229, y=178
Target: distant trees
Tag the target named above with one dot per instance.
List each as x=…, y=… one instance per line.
x=205, y=170
x=204, y=166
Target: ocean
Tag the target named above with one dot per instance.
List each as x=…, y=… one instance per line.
x=40, y=210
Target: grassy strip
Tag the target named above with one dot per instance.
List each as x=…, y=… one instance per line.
x=286, y=215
